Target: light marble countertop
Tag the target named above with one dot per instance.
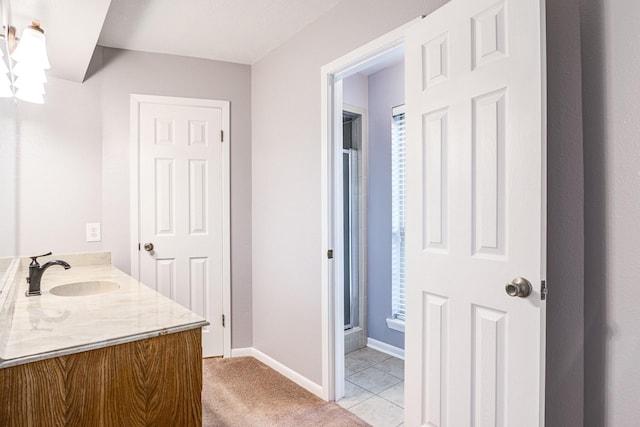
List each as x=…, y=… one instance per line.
x=39, y=327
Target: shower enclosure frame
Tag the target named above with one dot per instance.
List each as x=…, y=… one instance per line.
x=355, y=334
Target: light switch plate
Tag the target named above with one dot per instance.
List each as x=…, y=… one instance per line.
x=93, y=232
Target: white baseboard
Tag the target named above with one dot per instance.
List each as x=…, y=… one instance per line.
x=385, y=348
x=242, y=352
x=301, y=380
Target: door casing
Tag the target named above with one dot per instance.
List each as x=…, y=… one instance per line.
x=332, y=75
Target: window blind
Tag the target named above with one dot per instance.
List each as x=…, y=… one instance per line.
x=398, y=199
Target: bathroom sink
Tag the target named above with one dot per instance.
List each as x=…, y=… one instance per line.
x=80, y=289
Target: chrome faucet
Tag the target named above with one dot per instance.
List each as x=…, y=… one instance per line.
x=36, y=271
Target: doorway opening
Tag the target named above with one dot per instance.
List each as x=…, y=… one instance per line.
x=345, y=305
x=372, y=259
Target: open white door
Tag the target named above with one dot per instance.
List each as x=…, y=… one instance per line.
x=476, y=213
x=182, y=201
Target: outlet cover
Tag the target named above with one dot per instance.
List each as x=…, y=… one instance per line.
x=93, y=232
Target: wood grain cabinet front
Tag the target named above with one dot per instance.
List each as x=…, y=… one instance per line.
x=151, y=382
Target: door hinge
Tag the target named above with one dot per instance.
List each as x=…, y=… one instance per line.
x=221, y=135
x=543, y=290
x=330, y=254
x=223, y=321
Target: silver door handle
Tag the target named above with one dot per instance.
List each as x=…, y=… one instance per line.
x=519, y=287
x=148, y=247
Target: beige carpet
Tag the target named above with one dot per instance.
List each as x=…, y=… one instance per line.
x=244, y=392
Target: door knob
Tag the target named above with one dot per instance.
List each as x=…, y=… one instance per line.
x=519, y=287
x=148, y=247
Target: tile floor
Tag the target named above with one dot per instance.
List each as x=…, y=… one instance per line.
x=374, y=387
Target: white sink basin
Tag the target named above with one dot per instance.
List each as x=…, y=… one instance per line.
x=80, y=289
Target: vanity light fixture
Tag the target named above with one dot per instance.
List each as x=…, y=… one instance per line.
x=28, y=60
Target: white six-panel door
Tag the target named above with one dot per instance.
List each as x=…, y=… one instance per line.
x=183, y=203
x=476, y=177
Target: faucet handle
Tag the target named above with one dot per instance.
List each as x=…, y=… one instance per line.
x=34, y=261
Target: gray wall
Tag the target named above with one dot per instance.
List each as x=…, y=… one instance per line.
x=386, y=90
x=73, y=158
x=355, y=90
x=285, y=185
x=286, y=174
x=287, y=318
x=611, y=106
x=565, y=217
x=125, y=72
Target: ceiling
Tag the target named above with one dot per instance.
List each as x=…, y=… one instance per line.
x=241, y=31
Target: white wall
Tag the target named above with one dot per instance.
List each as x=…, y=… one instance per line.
x=286, y=176
x=611, y=104
x=73, y=158
x=59, y=150
x=8, y=181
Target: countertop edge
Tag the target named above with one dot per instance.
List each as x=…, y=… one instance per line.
x=102, y=344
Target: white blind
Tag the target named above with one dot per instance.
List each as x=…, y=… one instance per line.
x=398, y=213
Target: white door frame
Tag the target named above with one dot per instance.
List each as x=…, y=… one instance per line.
x=135, y=102
x=331, y=201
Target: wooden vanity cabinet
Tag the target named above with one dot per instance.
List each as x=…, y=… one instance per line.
x=151, y=382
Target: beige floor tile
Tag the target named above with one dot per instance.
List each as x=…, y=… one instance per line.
x=393, y=366
x=352, y=365
x=353, y=395
x=370, y=371
x=379, y=412
x=368, y=355
x=394, y=394
x=373, y=380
